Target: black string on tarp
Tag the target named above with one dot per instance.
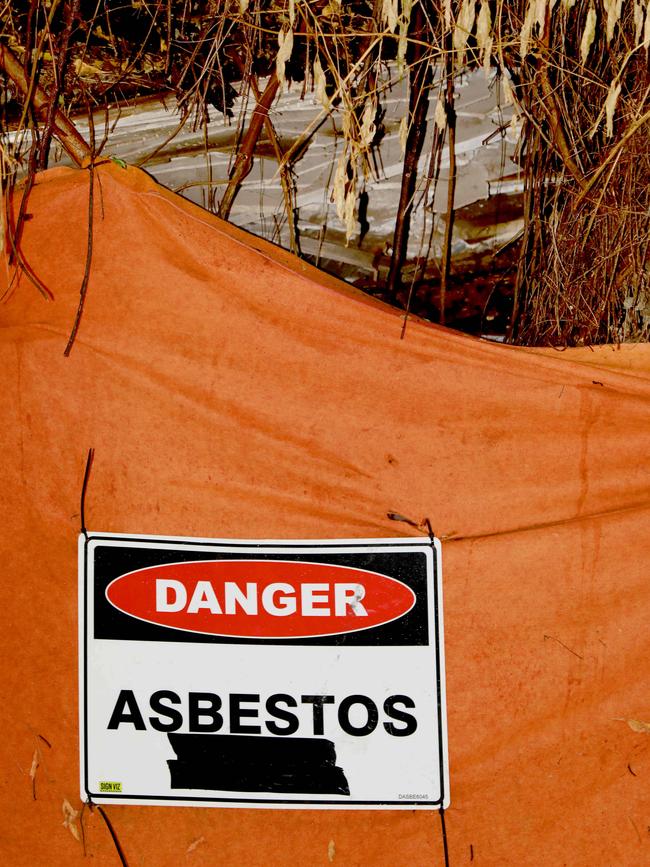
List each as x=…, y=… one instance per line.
x=395, y=516
x=443, y=827
x=111, y=830
x=84, y=487
x=92, y=806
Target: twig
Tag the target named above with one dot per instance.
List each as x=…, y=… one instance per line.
x=244, y=161
x=13, y=236
x=298, y=145
x=629, y=132
x=145, y=159
x=64, y=130
x=286, y=181
x=89, y=255
x=285, y=178
x=553, y=116
x=29, y=34
x=562, y=644
x=450, y=113
x=420, y=75
x=71, y=15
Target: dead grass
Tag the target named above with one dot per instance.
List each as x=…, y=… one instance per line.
x=576, y=71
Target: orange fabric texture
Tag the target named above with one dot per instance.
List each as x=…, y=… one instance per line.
x=232, y=391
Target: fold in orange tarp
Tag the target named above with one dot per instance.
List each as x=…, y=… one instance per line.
x=232, y=391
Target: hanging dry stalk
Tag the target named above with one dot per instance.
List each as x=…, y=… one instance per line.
x=577, y=70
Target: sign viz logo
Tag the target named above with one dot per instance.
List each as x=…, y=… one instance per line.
x=238, y=673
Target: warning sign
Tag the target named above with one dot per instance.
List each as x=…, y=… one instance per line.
x=294, y=674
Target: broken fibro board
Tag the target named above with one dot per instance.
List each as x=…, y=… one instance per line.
x=233, y=392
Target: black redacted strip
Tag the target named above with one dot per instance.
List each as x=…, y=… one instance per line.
x=241, y=763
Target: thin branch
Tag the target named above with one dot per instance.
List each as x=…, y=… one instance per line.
x=244, y=161
x=450, y=113
x=89, y=255
x=420, y=75
x=64, y=130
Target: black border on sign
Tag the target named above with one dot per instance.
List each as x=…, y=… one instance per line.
x=313, y=543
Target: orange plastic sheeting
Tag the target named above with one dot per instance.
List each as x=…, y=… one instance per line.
x=231, y=391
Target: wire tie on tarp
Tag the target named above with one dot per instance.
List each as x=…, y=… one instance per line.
x=395, y=516
x=84, y=487
x=441, y=811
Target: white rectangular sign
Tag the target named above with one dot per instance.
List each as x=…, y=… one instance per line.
x=262, y=674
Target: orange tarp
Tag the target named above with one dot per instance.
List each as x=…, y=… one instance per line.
x=232, y=391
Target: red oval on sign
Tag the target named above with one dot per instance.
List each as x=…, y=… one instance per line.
x=260, y=598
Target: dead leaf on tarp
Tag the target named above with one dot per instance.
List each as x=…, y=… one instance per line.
x=194, y=845
x=70, y=816
x=636, y=725
x=331, y=851
x=32, y=771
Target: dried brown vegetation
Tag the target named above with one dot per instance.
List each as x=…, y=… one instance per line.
x=576, y=71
